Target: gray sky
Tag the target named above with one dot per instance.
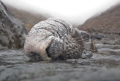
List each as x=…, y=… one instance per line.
x=73, y=11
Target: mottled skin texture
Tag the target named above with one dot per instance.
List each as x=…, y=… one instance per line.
x=53, y=39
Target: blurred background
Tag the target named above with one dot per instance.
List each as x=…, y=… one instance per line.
x=75, y=12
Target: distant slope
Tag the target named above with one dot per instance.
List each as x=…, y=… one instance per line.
x=29, y=19
x=107, y=22
x=12, y=31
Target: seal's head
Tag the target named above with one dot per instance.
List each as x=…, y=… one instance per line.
x=35, y=48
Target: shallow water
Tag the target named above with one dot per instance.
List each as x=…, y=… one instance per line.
x=103, y=66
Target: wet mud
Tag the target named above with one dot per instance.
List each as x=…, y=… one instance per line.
x=103, y=66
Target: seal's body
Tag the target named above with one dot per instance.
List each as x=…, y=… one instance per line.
x=53, y=39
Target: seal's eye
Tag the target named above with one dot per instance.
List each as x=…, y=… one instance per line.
x=34, y=56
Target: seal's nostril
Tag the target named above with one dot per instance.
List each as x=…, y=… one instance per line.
x=47, y=51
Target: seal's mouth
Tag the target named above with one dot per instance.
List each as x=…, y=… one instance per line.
x=34, y=57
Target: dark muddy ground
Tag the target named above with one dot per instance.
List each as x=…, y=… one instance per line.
x=103, y=66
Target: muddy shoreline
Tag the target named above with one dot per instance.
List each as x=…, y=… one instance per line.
x=103, y=66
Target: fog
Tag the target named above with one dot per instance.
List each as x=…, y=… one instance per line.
x=73, y=11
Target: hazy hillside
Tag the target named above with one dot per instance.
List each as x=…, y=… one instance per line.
x=107, y=22
x=12, y=31
x=29, y=19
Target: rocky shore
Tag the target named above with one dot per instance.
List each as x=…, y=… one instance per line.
x=104, y=65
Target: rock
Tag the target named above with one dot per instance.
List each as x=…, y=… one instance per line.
x=87, y=41
x=89, y=46
x=12, y=32
x=86, y=54
x=53, y=39
x=84, y=35
x=97, y=36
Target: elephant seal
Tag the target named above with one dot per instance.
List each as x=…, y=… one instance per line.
x=53, y=39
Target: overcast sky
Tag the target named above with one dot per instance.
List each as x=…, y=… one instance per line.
x=75, y=11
